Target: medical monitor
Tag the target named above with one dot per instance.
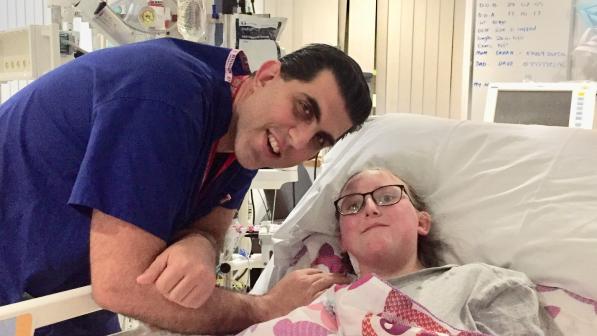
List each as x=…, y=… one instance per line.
x=553, y=104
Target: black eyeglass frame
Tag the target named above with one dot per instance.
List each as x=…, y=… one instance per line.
x=364, y=195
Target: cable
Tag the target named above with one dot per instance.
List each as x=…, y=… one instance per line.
x=274, y=206
x=293, y=195
x=237, y=278
x=266, y=208
x=76, y=48
x=315, y=167
x=253, y=205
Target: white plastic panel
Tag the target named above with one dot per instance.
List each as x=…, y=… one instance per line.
x=53, y=308
x=28, y=52
x=16, y=14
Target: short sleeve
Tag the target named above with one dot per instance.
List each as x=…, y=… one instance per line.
x=238, y=187
x=227, y=191
x=508, y=306
x=139, y=163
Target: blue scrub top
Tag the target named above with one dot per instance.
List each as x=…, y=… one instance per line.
x=126, y=130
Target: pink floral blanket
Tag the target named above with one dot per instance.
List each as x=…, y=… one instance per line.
x=368, y=307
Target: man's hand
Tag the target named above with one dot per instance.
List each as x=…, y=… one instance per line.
x=296, y=289
x=184, y=272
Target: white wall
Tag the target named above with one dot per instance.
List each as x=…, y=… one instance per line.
x=320, y=21
x=421, y=53
x=361, y=33
x=309, y=21
x=17, y=14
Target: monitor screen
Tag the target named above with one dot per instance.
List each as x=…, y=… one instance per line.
x=533, y=107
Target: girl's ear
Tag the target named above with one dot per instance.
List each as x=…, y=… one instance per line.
x=424, y=223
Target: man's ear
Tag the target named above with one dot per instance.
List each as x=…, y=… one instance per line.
x=424, y=223
x=267, y=71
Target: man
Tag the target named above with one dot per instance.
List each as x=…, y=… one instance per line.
x=139, y=155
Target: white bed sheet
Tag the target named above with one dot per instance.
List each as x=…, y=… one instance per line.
x=517, y=196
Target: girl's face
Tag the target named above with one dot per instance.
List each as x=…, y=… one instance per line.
x=379, y=234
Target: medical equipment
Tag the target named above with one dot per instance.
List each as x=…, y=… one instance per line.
x=126, y=21
x=29, y=52
x=234, y=259
x=567, y=104
x=267, y=179
x=24, y=52
x=192, y=20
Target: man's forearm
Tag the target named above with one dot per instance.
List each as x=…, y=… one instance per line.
x=224, y=312
x=216, y=243
x=213, y=227
x=115, y=286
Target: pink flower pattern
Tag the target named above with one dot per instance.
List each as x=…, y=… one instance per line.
x=328, y=258
x=286, y=327
x=579, y=298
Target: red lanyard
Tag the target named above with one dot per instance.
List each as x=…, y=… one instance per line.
x=212, y=154
x=234, y=86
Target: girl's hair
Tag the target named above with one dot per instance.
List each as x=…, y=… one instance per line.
x=429, y=247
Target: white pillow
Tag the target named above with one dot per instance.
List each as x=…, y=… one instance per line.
x=517, y=196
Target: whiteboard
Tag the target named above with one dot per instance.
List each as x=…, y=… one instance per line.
x=519, y=40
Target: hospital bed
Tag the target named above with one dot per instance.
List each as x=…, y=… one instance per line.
x=522, y=197
x=517, y=196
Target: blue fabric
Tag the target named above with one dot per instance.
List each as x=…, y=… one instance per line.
x=125, y=130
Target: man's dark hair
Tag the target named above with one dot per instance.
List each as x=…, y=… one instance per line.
x=306, y=63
